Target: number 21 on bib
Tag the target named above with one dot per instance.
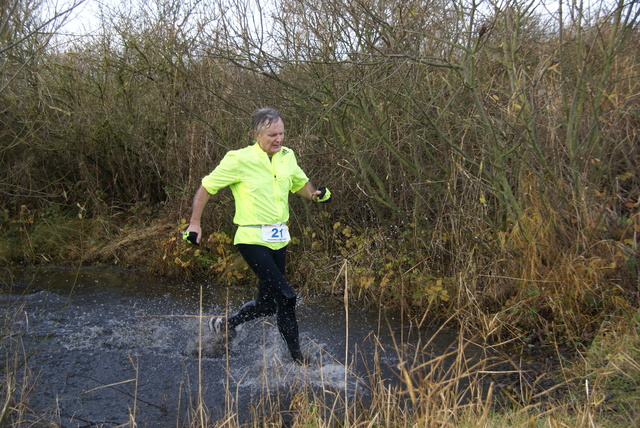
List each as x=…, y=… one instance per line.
x=278, y=232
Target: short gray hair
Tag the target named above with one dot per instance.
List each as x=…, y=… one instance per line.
x=264, y=117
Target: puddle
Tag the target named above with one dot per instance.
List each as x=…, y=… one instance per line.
x=96, y=341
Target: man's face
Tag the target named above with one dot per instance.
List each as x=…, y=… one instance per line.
x=271, y=137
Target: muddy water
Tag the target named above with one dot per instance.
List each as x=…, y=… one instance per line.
x=102, y=344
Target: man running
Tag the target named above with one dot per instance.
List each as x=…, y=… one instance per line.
x=260, y=177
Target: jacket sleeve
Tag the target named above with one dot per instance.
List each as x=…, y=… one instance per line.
x=225, y=174
x=298, y=177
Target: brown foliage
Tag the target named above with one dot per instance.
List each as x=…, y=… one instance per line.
x=474, y=155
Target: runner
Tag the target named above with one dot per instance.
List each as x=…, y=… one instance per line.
x=260, y=177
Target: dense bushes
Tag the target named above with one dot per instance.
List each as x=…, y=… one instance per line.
x=483, y=160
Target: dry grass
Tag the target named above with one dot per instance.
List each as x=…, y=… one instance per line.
x=18, y=380
x=473, y=384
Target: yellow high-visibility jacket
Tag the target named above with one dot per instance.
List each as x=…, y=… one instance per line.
x=260, y=189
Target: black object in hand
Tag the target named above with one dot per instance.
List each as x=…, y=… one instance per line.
x=191, y=237
x=324, y=196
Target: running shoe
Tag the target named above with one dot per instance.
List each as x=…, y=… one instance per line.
x=218, y=325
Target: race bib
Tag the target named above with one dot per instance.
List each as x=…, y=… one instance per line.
x=278, y=232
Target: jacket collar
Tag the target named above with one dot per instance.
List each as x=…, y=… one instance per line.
x=258, y=149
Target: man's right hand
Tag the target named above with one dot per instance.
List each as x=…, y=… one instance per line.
x=191, y=237
x=192, y=234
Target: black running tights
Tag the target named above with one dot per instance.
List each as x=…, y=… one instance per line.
x=275, y=294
